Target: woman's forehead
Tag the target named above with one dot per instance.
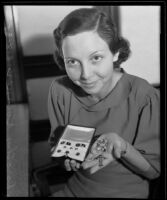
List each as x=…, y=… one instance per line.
x=83, y=42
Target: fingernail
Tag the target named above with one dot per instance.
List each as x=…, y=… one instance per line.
x=78, y=166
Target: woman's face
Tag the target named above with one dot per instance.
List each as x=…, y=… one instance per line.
x=88, y=62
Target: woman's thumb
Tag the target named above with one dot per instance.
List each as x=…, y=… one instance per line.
x=117, y=151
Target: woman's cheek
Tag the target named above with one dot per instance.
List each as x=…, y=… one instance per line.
x=73, y=74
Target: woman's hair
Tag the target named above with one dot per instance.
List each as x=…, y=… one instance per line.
x=87, y=19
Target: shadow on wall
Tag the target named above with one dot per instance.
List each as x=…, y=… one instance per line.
x=44, y=70
x=42, y=44
x=36, y=49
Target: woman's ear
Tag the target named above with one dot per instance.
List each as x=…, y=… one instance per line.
x=115, y=58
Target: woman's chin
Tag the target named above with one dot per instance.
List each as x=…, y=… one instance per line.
x=91, y=91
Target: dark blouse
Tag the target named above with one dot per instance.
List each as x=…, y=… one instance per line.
x=131, y=110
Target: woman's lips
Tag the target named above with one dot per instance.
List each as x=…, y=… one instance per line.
x=88, y=85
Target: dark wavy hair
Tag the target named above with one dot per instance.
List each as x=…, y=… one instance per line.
x=87, y=19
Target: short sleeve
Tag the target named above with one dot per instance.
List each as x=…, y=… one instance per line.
x=148, y=133
x=55, y=112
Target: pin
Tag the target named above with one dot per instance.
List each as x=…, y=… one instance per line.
x=101, y=160
x=101, y=145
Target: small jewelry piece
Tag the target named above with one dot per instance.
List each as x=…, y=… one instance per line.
x=101, y=146
x=100, y=160
x=98, y=150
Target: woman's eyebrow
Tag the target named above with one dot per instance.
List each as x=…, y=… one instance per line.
x=94, y=52
x=66, y=58
x=99, y=51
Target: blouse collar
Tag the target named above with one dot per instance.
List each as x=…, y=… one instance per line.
x=118, y=94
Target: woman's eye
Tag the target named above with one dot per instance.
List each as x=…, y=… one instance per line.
x=72, y=62
x=97, y=58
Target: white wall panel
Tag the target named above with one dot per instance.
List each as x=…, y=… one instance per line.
x=141, y=26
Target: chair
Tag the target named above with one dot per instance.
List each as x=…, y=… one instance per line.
x=50, y=179
x=156, y=189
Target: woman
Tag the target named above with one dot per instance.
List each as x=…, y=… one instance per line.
x=98, y=93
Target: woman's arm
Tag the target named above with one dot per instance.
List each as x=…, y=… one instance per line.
x=133, y=159
x=147, y=139
x=118, y=148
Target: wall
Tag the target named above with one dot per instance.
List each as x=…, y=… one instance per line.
x=37, y=24
x=38, y=93
x=141, y=26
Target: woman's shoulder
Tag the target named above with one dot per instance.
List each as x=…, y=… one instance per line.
x=60, y=81
x=60, y=84
x=63, y=85
x=141, y=89
x=139, y=83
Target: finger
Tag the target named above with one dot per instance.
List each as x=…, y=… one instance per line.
x=107, y=158
x=93, y=149
x=110, y=148
x=95, y=169
x=117, y=152
x=78, y=165
x=88, y=164
x=91, y=157
x=73, y=165
x=67, y=165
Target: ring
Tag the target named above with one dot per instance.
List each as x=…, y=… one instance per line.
x=101, y=161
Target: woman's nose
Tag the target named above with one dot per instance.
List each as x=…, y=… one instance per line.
x=86, y=71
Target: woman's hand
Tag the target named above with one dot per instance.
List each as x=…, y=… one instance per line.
x=112, y=147
x=71, y=165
